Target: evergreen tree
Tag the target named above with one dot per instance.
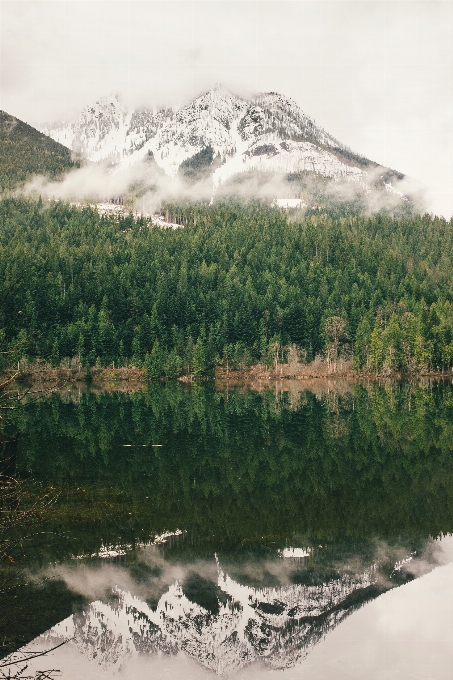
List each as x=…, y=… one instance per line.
x=199, y=358
x=154, y=362
x=362, y=345
x=173, y=364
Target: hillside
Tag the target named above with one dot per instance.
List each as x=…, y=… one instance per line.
x=26, y=152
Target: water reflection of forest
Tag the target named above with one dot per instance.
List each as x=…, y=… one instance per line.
x=229, y=466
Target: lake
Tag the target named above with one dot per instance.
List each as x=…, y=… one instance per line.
x=278, y=532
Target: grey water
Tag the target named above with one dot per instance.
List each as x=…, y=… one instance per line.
x=249, y=534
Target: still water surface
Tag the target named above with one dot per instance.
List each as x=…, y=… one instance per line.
x=289, y=534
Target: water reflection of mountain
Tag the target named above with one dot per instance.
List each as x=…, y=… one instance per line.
x=276, y=626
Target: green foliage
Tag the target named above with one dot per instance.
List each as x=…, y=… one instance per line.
x=154, y=362
x=199, y=362
x=26, y=152
x=228, y=286
x=173, y=364
x=198, y=166
x=362, y=344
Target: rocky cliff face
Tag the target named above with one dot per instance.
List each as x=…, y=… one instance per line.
x=270, y=134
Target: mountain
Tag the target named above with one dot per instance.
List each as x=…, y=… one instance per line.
x=223, y=136
x=26, y=152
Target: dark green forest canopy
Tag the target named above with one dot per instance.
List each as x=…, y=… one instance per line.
x=25, y=152
x=235, y=280
x=198, y=166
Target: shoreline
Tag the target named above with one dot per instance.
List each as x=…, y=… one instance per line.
x=257, y=376
x=120, y=379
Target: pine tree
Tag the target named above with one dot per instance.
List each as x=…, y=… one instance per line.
x=199, y=359
x=173, y=364
x=154, y=362
x=362, y=345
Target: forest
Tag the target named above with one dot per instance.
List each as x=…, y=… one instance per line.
x=240, y=284
x=27, y=152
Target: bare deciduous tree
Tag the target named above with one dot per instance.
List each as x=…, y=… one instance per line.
x=334, y=331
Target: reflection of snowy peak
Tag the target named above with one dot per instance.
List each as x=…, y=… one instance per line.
x=277, y=626
x=270, y=133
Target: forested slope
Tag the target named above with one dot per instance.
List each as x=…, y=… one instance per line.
x=234, y=283
x=26, y=152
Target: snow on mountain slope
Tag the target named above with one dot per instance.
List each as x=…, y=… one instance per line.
x=275, y=113
x=269, y=133
x=269, y=154
x=99, y=132
x=107, y=130
x=204, y=122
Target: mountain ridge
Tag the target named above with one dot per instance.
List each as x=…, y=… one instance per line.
x=268, y=133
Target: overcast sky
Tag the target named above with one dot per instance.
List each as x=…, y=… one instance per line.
x=376, y=74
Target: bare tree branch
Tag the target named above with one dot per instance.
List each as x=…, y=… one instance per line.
x=33, y=655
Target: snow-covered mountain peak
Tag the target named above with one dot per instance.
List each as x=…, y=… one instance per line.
x=216, y=135
x=282, y=115
x=98, y=119
x=108, y=104
x=217, y=103
x=98, y=130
